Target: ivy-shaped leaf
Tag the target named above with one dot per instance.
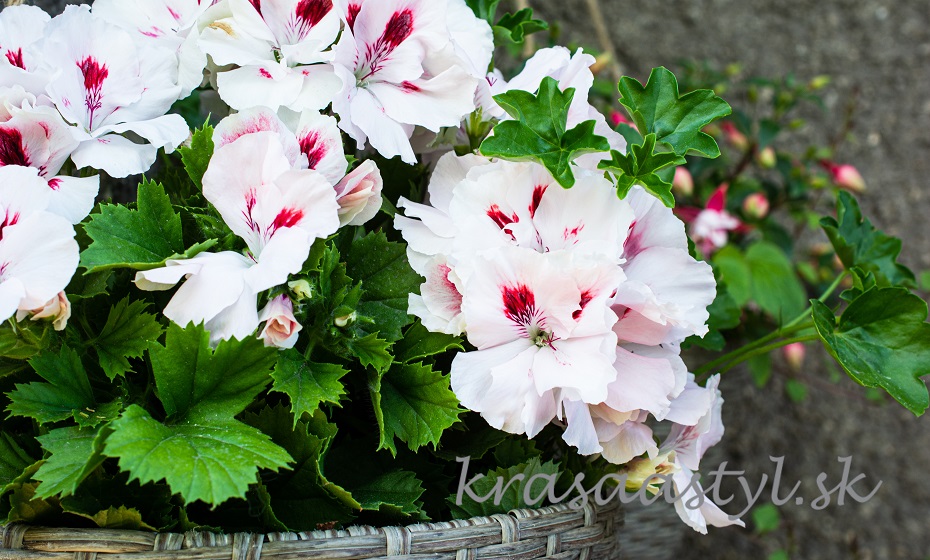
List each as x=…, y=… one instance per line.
x=66, y=392
x=126, y=334
x=371, y=351
x=539, y=132
x=201, y=450
x=196, y=158
x=13, y=460
x=882, y=340
x=307, y=384
x=641, y=167
x=678, y=121
x=414, y=404
x=859, y=244
x=418, y=344
x=75, y=453
x=484, y=9
x=387, y=281
x=513, y=28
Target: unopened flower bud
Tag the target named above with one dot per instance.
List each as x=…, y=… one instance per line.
x=57, y=309
x=819, y=82
x=359, y=195
x=281, y=327
x=756, y=206
x=794, y=355
x=845, y=176
x=736, y=138
x=767, y=158
x=683, y=184
x=617, y=118
x=302, y=289
x=346, y=320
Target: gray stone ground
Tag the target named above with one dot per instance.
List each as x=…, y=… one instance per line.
x=881, y=48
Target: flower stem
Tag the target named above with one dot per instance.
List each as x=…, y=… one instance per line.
x=768, y=343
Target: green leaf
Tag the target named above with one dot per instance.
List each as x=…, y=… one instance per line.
x=307, y=384
x=774, y=285
x=372, y=352
x=796, y=391
x=123, y=518
x=766, y=518
x=126, y=334
x=641, y=167
x=13, y=460
x=139, y=239
x=394, y=493
x=859, y=244
x=418, y=343
x=21, y=343
x=303, y=498
x=484, y=9
x=416, y=406
x=67, y=391
x=197, y=157
x=678, y=121
x=760, y=367
x=882, y=340
x=539, y=131
x=207, y=460
x=197, y=383
x=75, y=453
x=509, y=498
x=387, y=281
x=513, y=28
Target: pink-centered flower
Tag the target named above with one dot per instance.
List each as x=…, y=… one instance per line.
x=273, y=53
x=311, y=140
x=711, y=226
x=281, y=327
x=38, y=253
x=38, y=137
x=107, y=85
x=542, y=334
x=277, y=210
x=399, y=68
x=165, y=24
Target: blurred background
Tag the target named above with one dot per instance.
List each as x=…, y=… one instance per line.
x=876, y=109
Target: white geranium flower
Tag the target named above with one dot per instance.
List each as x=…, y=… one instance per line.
x=273, y=52
x=38, y=253
x=277, y=210
x=399, y=68
x=21, y=29
x=107, y=85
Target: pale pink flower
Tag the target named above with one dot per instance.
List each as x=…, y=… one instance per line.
x=273, y=53
x=846, y=177
x=281, y=327
x=38, y=253
x=109, y=85
x=756, y=206
x=542, y=329
x=399, y=70
x=311, y=140
x=683, y=184
x=359, y=194
x=711, y=227
x=165, y=24
x=58, y=309
x=277, y=210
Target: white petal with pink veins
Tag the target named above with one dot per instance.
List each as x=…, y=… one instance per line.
x=655, y=225
x=254, y=120
x=100, y=66
x=319, y=143
x=73, y=197
x=439, y=306
x=116, y=155
x=642, y=383
x=272, y=85
x=24, y=143
x=691, y=405
x=232, y=41
x=21, y=28
x=40, y=251
x=22, y=193
x=440, y=101
x=321, y=83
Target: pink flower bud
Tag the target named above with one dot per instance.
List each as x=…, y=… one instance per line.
x=736, y=138
x=767, y=158
x=281, y=327
x=359, y=195
x=58, y=309
x=684, y=182
x=794, y=355
x=756, y=206
x=846, y=177
x=617, y=118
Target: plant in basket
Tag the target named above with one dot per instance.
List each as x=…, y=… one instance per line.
x=393, y=285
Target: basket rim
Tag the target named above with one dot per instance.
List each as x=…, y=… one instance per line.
x=521, y=533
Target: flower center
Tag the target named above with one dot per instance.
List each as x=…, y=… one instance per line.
x=397, y=30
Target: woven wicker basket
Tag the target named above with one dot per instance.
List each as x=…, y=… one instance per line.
x=557, y=532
